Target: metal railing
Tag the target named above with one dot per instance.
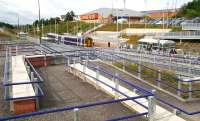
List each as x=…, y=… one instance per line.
x=179, y=35
x=159, y=79
x=188, y=66
x=75, y=109
x=191, y=26
x=8, y=84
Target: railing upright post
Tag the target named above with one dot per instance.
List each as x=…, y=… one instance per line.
x=84, y=66
x=32, y=76
x=76, y=116
x=151, y=107
x=28, y=70
x=16, y=50
x=97, y=77
x=170, y=63
x=36, y=93
x=74, y=62
x=124, y=64
x=139, y=70
x=190, y=90
x=179, y=87
x=116, y=86
x=159, y=77
x=190, y=67
x=68, y=61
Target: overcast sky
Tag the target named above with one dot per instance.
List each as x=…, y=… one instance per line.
x=27, y=10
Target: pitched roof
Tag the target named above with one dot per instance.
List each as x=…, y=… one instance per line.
x=105, y=12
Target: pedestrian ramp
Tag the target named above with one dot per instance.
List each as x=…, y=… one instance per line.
x=160, y=114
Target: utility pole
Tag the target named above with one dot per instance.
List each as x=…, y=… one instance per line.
x=18, y=23
x=39, y=22
x=145, y=19
x=124, y=4
x=55, y=25
x=42, y=28
x=167, y=14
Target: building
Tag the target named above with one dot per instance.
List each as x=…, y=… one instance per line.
x=106, y=15
x=160, y=13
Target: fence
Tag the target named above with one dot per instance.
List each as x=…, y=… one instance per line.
x=8, y=84
x=185, y=89
x=160, y=78
x=76, y=110
x=187, y=66
x=191, y=26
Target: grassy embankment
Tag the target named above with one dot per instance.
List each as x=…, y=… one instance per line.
x=113, y=27
x=66, y=27
x=169, y=77
x=133, y=39
x=9, y=34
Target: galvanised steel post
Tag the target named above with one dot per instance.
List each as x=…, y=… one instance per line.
x=68, y=61
x=154, y=60
x=28, y=69
x=159, y=77
x=74, y=62
x=179, y=87
x=124, y=64
x=97, y=77
x=139, y=70
x=190, y=67
x=76, y=116
x=39, y=22
x=170, y=59
x=190, y=90
x=16, y=50
x=32, y=76
x=116, y=86
x=45, y=60
x=84, y=66
x=151, y=107
x=36, y=93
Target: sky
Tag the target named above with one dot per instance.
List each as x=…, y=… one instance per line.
x=27, y=10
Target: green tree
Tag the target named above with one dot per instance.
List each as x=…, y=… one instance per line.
x=190, y=10
x=70, y=16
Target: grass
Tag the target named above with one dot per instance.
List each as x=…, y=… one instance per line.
x=9, y=33
x=113, y=27
x=66, y=27
x=151, y=76
x=132, y=39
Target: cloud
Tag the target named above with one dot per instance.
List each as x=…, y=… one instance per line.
x=28, y=9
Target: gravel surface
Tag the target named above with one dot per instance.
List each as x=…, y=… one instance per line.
x=63, y=89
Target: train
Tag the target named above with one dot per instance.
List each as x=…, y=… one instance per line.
x=69, y=40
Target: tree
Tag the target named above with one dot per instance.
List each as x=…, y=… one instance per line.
x=190, y=9
x=70, y=16
x=2, y=24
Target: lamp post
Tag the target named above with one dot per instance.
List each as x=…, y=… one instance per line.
x=39, y=21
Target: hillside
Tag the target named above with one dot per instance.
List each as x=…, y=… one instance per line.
x=113, y=27
x=190, y=10
x=66, y=27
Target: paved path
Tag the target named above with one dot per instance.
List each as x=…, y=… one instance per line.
x=193, y=106
x=161, y=114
